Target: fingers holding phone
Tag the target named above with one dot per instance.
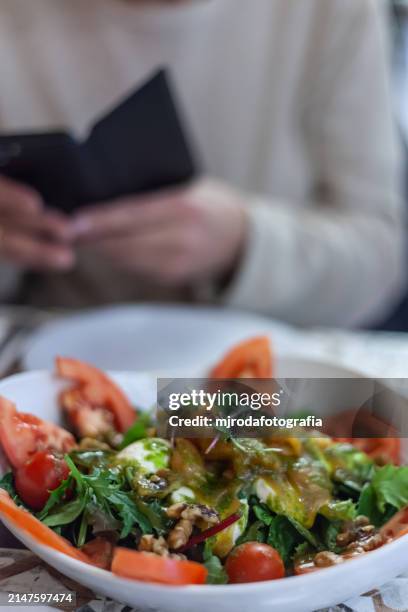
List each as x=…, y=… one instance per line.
x=31, y=236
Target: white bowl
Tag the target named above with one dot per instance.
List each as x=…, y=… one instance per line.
x=36, y=392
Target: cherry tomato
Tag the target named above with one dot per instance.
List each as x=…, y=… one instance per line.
x=22, y=435
x=254, y=562
x=98, y=390
x=34, y=480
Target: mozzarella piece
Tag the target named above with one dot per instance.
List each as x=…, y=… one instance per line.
x=150, y=455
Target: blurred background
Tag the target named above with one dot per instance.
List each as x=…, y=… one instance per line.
x=285, y=215
x=398, y=320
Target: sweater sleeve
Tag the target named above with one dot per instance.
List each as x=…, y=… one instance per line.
x=340, y=260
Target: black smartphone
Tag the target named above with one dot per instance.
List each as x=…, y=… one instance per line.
x=141, y=145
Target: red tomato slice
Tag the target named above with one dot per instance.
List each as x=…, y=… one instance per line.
x=254, y=562
x=22, y=435
x=152, y=568
x=35, y=479
x=250, y=359
x=41, y=533
x=99, y=390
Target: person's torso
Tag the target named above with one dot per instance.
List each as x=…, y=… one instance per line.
x=241, y=69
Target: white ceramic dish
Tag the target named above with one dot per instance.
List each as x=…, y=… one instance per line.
x=149, y=337
x=36, y=392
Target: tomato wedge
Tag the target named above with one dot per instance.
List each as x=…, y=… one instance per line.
x=41, y=533
x=99, y=390
x=23, y=435
x=250, y=359
x=147, y=567
x=35, y=479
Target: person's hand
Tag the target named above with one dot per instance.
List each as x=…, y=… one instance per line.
x=30, y=236
x=173, y=237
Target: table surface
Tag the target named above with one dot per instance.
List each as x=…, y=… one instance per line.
x=375, y=354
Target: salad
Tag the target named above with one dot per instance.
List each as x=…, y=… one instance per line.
x=109, y=492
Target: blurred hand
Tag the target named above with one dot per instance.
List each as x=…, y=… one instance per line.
x=30, y=236
x=173, y=237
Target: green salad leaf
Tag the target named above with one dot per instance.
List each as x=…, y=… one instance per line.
x=385, y=494
x=137, y=431
x=101, y=499
x=284, y=537
x=255, y=532
x=216, y=571
x=7, y=483
x=339, y=510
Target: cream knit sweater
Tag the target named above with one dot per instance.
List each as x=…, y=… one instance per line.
x=287, y=100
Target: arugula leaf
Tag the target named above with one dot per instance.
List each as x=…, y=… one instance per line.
x=216, y=571
x=128, y=513
x=56, y=497
x=155, y=515
x=103, y=499
x=137, y=431
x=67, y=514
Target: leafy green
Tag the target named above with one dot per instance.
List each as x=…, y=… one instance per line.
x=343, y=510
x=284, y=532
x=7, y=483
x=155, y=515
x=351, y=467
x=67, y=514
x=328, y=531
x=56, y=497
x=306, y=534
x=128, y=513
x=103, y=500
x=137, y=431
x=283, y=537
x=255, y=532
x=385, y=494
x=390, y=484
x=263, y=513
x=216, y=571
